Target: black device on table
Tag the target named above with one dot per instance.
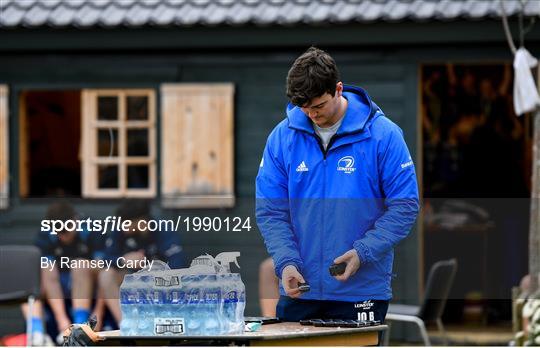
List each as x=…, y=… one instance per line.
x=339, y=322
x=262, y=320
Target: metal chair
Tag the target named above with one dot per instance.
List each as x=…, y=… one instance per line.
x=439, y=282
x=20, y=278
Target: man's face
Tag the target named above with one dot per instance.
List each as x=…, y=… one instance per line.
x=324, y=110
x=66, y=237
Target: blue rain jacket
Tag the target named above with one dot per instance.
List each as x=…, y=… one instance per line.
x=314, y=205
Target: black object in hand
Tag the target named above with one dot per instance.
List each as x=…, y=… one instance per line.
x=303, y=287
x=337, y=269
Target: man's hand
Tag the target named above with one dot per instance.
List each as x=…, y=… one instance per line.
x=290, y=277
x=353, y=263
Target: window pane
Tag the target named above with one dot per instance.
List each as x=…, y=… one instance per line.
x=107, y=176
x=137, y=108
x=137, y=176
x=137, y=142
x=107, y=108
x=107, y=142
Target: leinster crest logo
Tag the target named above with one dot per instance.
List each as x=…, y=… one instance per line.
x=346, y=165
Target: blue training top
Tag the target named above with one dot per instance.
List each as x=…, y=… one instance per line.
x=314, y=205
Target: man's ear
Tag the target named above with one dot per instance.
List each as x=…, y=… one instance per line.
x=339, y=88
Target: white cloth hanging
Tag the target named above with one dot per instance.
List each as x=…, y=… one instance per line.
x=526, y=96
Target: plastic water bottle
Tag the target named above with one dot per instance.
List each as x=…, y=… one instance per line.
x=241, y=305
x=128, y=306
x=194, y=322
x=238, y=304
x=167, y=304
x=234, y=300
x=145, y=326
x=161, y=304
x=228, y=296
x=211, y=304
x=177, y=302
x=221, y=283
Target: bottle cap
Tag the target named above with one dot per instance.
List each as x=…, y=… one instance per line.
x=225, y=259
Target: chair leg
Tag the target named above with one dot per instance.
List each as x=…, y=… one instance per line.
x=423, y=332
x=29, y=321
x=386, y=334
x=440, y=326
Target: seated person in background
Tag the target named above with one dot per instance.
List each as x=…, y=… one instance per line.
x=135, y=245
x=268, y=288
x=58, y=282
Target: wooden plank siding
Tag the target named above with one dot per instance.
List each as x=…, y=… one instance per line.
x=197, y=140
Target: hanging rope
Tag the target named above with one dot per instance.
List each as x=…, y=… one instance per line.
x=520, y=21
x=522, y=30
x=507, y=32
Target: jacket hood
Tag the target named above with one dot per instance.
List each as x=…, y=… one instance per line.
x=360, y=110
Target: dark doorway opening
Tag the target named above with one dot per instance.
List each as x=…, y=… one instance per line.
x=476, y=185
x=49, y=143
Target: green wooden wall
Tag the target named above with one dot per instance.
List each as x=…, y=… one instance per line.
x=384, y=59
x=259, y=105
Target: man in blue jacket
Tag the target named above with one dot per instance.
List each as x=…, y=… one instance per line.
x=336, y=184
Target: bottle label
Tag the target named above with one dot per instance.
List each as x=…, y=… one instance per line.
x=211, y=296
x=144, y=296
x=171, y=326
x=172, y=281
x=128, y=296
x=231, y=297
x=192, y=297
x=177, y=297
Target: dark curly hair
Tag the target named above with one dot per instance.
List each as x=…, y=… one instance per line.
x=312, y=74
x=61, y=210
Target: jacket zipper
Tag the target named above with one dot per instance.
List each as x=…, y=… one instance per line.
x=321, y=259
x=321, y=147
x=325, y=153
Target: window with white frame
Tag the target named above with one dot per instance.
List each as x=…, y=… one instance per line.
x=118, y=143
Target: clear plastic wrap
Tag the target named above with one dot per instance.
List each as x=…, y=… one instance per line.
x=202, y=300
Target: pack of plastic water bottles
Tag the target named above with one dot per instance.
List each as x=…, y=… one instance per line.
x=205, y=299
